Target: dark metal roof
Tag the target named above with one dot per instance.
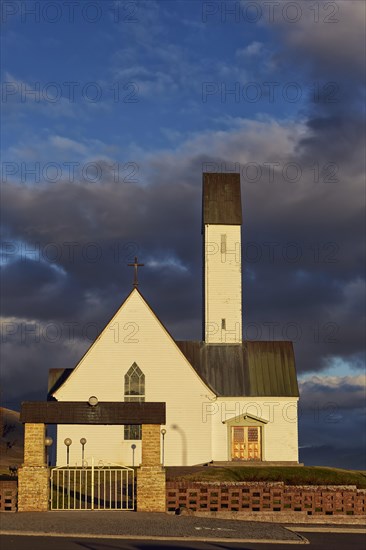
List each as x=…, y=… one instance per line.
x=79, y=412
x=221, y=199
x=251, y=369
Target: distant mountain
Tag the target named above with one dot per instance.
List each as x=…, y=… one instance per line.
x=11, y=439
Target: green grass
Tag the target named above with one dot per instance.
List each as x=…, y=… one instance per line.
x=305, y=475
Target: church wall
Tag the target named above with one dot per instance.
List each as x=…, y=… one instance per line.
x=279, y=435
x=223, y=299
x=135, y=335
x=104, y=443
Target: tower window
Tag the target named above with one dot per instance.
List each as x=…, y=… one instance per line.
x=134, y=391
x=223, y=324
x=223, y=244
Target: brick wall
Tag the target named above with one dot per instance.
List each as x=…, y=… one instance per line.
x=33, y=476
x=150, y=444
x=266, y=497
x=151, y=489
x=8, y=496
x=34, y=486
x=34, y=446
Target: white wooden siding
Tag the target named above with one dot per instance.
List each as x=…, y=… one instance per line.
x=223, y=296
x=279, y=434
x=104, y=443
x=135, y=335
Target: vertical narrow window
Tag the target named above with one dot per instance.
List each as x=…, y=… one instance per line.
x=223, y=244
x=223, y=324
x=134, y=391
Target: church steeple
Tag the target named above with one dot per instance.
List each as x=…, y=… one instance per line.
x=221, y=228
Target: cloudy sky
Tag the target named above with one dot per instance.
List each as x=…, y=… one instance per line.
x=112, y=111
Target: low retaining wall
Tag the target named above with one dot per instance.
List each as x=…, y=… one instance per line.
x=253, y=497
x=247, y=498
x=8, y=496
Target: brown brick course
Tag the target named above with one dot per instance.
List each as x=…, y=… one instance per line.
x=266, y=497
x=8, y=496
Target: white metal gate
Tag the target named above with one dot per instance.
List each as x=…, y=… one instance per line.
x=92, y=488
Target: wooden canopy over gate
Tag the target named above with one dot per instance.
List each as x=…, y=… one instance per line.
x=80, y=412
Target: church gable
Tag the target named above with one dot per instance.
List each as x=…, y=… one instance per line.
x=134, y=338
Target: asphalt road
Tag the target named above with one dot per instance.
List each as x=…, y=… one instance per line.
x=318, y=541
x=140, y=524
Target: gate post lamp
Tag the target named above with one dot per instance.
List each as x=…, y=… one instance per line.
x=68, y=442
x=48, y=442
x=163, y=432
x=82, y=441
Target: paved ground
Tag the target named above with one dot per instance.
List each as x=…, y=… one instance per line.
x=327, y=527
x=318, y=541
x=141, y=524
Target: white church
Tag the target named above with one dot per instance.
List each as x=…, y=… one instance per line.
x=226, y=399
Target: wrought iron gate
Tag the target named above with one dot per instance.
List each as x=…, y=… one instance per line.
x=92, y=488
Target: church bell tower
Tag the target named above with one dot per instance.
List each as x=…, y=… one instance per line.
x=221, y=228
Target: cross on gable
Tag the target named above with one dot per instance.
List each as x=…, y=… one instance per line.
x=135, y=265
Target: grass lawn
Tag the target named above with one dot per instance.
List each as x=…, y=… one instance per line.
x=297, y=475
x=305, y=475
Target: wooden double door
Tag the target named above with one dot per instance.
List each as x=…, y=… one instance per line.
x=246, y=443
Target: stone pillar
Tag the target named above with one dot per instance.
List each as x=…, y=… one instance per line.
x=151, y=492
x=33, y=476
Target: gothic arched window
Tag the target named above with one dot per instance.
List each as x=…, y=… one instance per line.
x=134, y=384
x=134, y=391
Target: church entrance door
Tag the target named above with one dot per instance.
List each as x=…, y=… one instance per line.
x=246, y=443
x=92, y=488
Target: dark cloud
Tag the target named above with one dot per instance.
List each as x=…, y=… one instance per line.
x=327, y=39
x=302, y=264
x=344, y=392
x=332, y=436
x=29, y=349
x=350, y=458
x=331, y=420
